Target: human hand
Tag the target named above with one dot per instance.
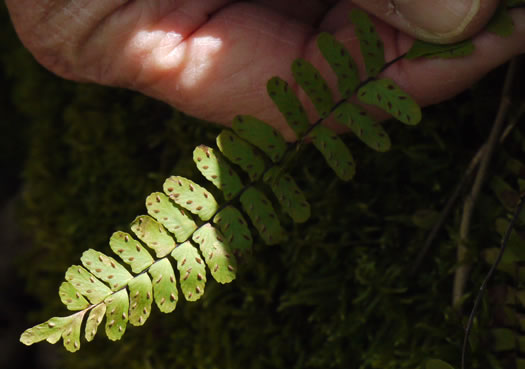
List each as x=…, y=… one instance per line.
x=212, y=58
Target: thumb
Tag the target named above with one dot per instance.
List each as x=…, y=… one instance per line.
x=443, y=21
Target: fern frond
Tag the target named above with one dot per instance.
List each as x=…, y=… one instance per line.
x=186, y=223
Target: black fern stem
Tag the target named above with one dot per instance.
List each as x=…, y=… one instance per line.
x=504, y=242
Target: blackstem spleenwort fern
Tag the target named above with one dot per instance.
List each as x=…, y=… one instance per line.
x=187, y=223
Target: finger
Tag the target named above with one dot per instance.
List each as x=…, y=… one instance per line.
x=443, y=21
x=210, y=59
x=55, y=30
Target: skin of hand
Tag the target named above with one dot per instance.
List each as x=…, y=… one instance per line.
x=212, y=58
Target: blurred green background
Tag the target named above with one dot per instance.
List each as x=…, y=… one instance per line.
x=78, y=161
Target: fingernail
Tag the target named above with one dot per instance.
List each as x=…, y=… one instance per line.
x=438, y=17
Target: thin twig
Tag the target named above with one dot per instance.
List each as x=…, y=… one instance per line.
x=448, y=207
x=503, y=246
x=461, y=274
x=459, y=188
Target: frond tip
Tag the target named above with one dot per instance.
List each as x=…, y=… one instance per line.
x=67, y=328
